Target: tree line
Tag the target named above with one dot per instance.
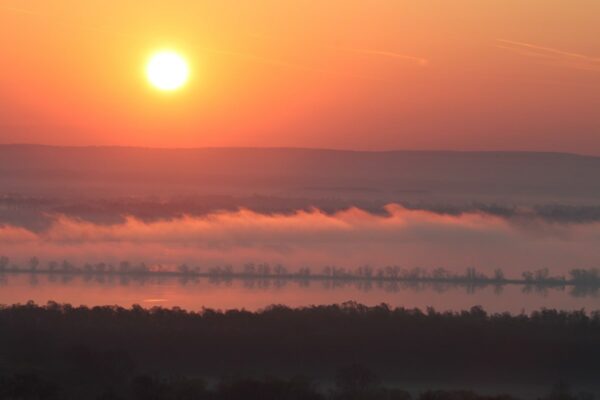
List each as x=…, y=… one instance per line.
x=576, y=276
x=354, y=382
x=92, y=348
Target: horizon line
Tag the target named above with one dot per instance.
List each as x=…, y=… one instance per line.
x=304, y=148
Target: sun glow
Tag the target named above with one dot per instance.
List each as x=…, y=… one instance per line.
x=167, y=71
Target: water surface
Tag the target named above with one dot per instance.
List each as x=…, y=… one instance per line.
x=254, y=294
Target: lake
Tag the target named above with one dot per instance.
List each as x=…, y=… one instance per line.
x=253, y=294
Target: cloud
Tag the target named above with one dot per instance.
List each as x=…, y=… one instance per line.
x=350, y=238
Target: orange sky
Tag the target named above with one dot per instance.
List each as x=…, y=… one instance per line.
x=462, y=74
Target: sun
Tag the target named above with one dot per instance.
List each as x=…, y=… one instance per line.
x=167, y=70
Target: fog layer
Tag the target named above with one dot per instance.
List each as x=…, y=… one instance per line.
x=408, y=238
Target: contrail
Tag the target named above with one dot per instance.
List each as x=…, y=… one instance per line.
x=556, y=56
x=551, y=50
x=18, y=10
x=524, y=52
x=391, y=54
x=384, y=53
x=288, y=64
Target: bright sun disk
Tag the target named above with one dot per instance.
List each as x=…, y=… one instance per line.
x=167, y=70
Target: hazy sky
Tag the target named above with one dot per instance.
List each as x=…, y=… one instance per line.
x=462, y=74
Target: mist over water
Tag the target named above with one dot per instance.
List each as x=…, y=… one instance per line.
x=315, y=239
x=312, y=240
x=225, y=209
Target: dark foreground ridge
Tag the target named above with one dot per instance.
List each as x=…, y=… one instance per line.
x=71, y=351
x=351, y=383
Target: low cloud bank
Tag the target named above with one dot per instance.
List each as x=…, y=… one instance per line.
x=350, y=238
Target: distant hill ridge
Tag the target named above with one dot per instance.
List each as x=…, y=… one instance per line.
x=275, y=169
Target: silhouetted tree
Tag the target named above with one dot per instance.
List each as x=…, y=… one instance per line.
x=4, y=261
x=27, y=386
x=355, y=382
x=33, y=263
